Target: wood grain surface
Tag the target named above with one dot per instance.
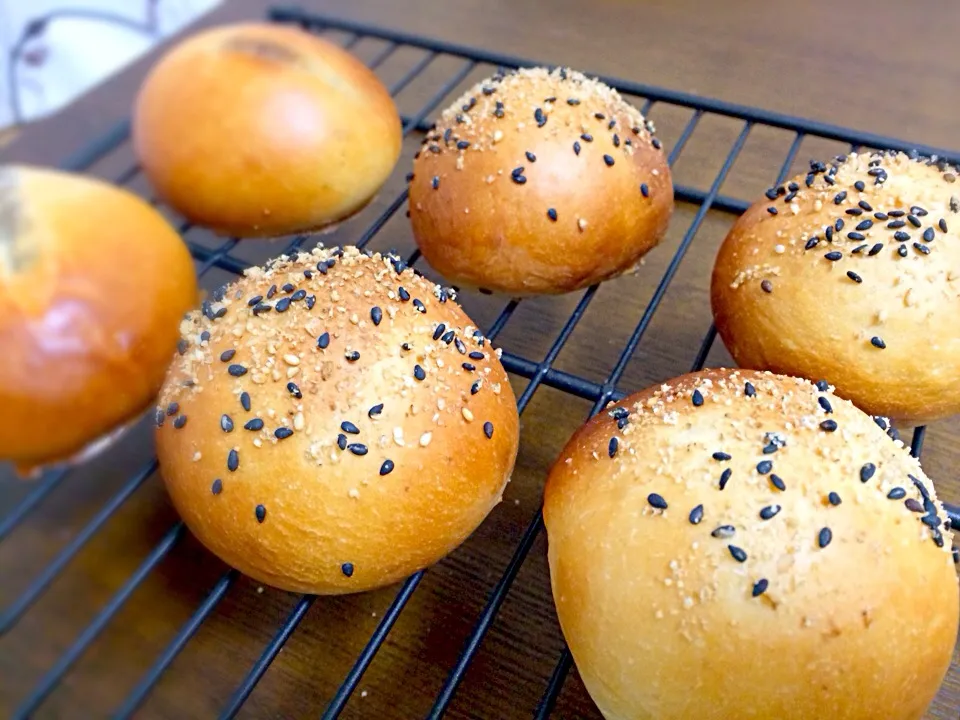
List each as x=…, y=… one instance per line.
x=885, y=67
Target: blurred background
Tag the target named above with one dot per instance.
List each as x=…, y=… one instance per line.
x=52, y=51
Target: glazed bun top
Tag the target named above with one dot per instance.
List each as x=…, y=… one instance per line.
x=845, y=273
x=539, y=181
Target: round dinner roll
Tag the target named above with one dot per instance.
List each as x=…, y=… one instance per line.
x=264, y=130
x=94, y=284
x=852, y=273
x=737, y=544
x=539, y=181
x=336, y=424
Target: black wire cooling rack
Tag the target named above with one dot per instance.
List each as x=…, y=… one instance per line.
x=539, y=373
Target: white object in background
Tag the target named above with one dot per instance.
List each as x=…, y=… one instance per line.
x=81, y=43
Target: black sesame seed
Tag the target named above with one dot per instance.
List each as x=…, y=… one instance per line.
x=419, y=373
x=913, y=505
x=552, y=214
x=349, y=427
x=749, y=390
x=697, y=398
x=352, y=355
x=539, y=117
x=824, y=537
x=294, y=390
x=261, y=513
x=856, y=236
x=438, y=331
x=724, y=531
x=387, y=467
x=255, y=300
x=812, y=243
x=839, y=197
x=644, y=190
x=323, y=341
x=725, y=477
x=696, y=515
x=942, y=225
x=897, y=493
x=419, y=306
x=573, y=101
x=771, y=193
x=901, y=236
x=772, y=210
x=576, y=147
x=769, y=512
x=764, y=466
x=853, y=276
x=865, y=225
x=828, y=425
x=867, y=471
x=924, y=249
x=770, y=448
x=833, y=255
x=226, y=423
x=179, y=421
x=271, y=292
x=822, y=385
x=217, y=487
x=657, y=501
x=828, y=231
x=237, y=370
x=858, y=249
x=760, y=587
x=488, y=430
x=656, y=143
x=448, y=338
x=738, y=554
x=519, y=179
x=357, y=448
x=902, y=251
x=469, y=367
x=245, y=401
x=233, y=460
x=282, y=433
x=608, y=159
x=918, y=211
x=878, y=342
x=404, y=295
x=375, y=410
x=825, y=404
x=616, y=139
x=255, y=425
x=859, y=185
x=530, y=156
x=227, y=355
x=182, y=346
x=721, y=456
x=476, y=355
x=929, y=235
x=435, y=183
x=283, y=305
x=347, y=569
x=376, y=315
x=158, y=417
x=896, y=224
x=462, y=145
x=777, y=482
x=865, y=205
x=838, y=225
x=475, y=388
x=913, y=220
x=853, y=211
x=458, y=344
x=875, y=249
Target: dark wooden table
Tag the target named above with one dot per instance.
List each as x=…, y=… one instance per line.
x=886, y=67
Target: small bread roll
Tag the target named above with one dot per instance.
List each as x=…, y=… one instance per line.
x=851, y=273
x=263, y=130
x=93, y=285
x=539, y=182
x=343, y=425
x=746, y=545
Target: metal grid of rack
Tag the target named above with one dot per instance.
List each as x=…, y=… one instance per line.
x=537, y=372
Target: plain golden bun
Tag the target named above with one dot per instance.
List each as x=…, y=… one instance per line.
x=735, y=544
x=262, y=130
x=343, y=426
x=851, y=273
x=539, y=182
x=93, y=285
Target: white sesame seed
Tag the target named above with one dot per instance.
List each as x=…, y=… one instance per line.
x=467, y=415
x=582, y=224
x=425, y=439
x=197, y=456
x=291, y=359
x=298, y=421
x=354, y=493
x=398, y=436
x=779, y=249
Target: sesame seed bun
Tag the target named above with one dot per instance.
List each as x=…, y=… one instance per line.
x=870, y=304
x=539, y=182
x=809, y=586
x=263, y=130
x=93, y=285
x=344, y=425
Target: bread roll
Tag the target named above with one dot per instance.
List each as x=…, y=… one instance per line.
x=344, y=425
x=93, y=283
x=261, y=130
x=735, y=544
x=851, y=273
x=539, y=182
